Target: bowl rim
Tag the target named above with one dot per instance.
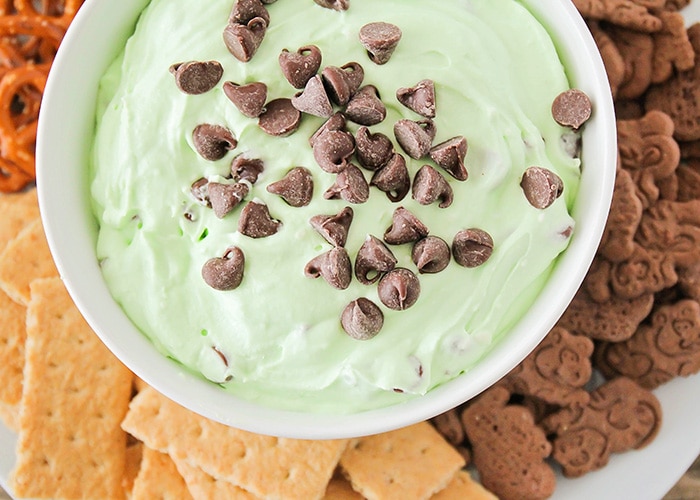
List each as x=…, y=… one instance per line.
x=78, y=267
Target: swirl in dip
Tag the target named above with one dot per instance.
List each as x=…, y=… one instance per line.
x=277, y=338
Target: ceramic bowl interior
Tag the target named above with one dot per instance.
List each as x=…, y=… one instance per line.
x=65, y=135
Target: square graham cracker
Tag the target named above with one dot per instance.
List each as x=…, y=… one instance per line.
x=13, y=332
x=75, y=395
x=414, y=462
x=463, y=486
x=26, y=257
x=158, y=478
x=18, y=210
x=266, y=466
x=340, y=489
x=202, y=486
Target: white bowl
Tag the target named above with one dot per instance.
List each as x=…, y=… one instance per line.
x=65, y=133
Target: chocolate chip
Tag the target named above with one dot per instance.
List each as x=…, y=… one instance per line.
x=399, y=289
x=393, y=178
x=280, y=118
x=197, y=77
x=245, y=10
x=572, y=108
x=212, y=142
x=380, y=39
x=256, y=222
x=313, y=99
x=334, y=266
x=419, y=98
x=362, y=319
x=332, y=150
x=350, y=185
x=472, y=247
x=200, y=191
x=429, y=186
x=298, y=67
x=431, y=255
x=225, y=273
x=405, y=228
x=415, y=137
x=243, y=40
x=246, y=169
x=373, y=260
x=335, y=122
x=450, y=156
x=334, y=228
x=225, y=197
x=296, y=188
x=249, y=98
x=541, y=186
x=365, y=107
x=355, y=74
x=373, y=150
x=341, y=83
x=334, y=4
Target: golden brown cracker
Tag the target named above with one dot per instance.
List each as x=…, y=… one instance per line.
x=25, y=258
x=158, y=478
x=340, y=489
x=18, y=210
x=134, y=454
x=12, y=339
x=202, y=486
x=9, y=414
x=428, y=463
x=292, y=468
x=75, y=394
x=465, y=488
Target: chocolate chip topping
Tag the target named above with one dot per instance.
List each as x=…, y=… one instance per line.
x=212, y=142
x=365, y=107
x=332, y=150
x=405, y=228
x=431, y=255
x=419, y=98
x=246, y=169
x=450, y=156
x=472, y=247
x=393, y=178
x=334, y=266
x=298, y=67
x=350, y=185
x=334, y=4
x=380, y=39
x=313, y=99
x=337, y=85
x=362, y=319
x=225, y=273
x=355, y=74
x=429, y=186
x=335, y=122
x=225, y=197
x=256, y=222
x=296, y=188
x=195, y=77
x=334, y=228
x=200, y=191
x=249, y=98
x=541, y=187
x=245, y=10
x=373, y=260
x=243, y=40
x=280, y=118
x=572, y=108
x=399, y=289
x=373, y=150
x=415, y=137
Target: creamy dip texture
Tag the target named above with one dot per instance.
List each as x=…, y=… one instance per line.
x=277, y=338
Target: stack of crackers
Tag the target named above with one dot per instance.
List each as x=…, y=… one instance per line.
x=88, y=428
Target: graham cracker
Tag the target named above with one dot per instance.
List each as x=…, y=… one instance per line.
x=25, y=258
x=76, y=393
x=340, y=489
x=18, y=210
x=132, y=466
x=158, y=478
x=290, y=468
x=202, y=486
x=12, y=339
x=414, y=462
x=9, y=414
x=464, y=487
